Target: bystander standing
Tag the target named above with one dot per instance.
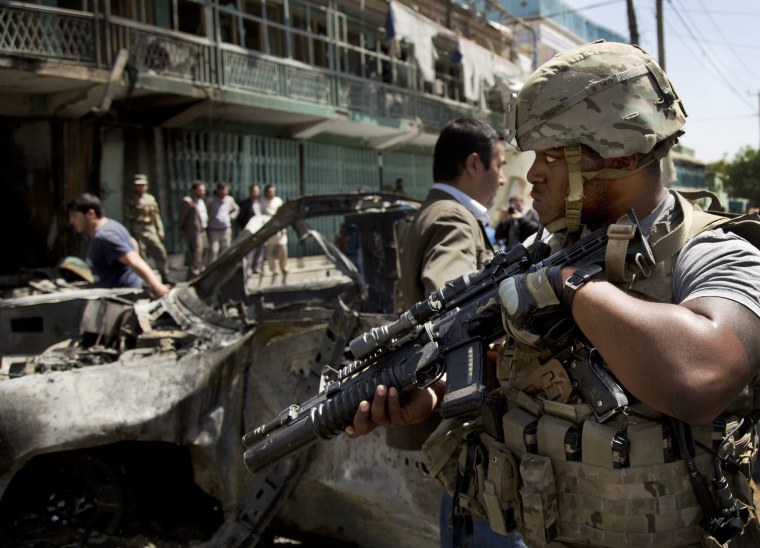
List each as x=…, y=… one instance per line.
x=222, y=210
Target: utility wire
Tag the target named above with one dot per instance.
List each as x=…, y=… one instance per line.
x=740, y=46
x=717, y=68
x=721, y=12
x=697, y=40
x=725, y=40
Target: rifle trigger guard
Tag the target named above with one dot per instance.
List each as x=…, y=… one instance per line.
x=429, y=368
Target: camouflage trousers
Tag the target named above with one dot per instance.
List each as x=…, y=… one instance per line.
x=152, y=247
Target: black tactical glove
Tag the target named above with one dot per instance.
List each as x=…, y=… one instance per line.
x=532, y=307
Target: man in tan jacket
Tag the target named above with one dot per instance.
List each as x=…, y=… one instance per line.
x=447, y=237
x=193, y=221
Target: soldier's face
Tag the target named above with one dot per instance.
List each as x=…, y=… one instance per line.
x=140, y=189
x=549, y=177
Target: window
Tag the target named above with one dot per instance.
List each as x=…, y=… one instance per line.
x=159, y=13
x=191, y=17
x=254, y=38
x=228, y=28
x=80, y=5
x=125, y=8
x=275, y=13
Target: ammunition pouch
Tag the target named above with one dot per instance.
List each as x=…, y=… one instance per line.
x=562, y=479
x=478, y=472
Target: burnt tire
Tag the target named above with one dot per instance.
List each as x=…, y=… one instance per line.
x=70, y=495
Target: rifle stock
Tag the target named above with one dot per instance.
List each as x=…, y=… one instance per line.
x=448, y=333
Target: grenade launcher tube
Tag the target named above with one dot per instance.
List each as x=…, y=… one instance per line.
x=329, y=417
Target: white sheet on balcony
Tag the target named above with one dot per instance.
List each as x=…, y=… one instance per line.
x=482, y=66
x=418, y=30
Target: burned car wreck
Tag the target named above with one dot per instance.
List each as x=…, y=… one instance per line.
x=123, y=416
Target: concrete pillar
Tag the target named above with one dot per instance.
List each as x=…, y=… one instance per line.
x=112, y=175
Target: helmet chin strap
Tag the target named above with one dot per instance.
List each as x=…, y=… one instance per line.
x=576, y=176
x=574, y=200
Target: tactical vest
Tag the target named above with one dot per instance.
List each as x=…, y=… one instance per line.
x=558, y=475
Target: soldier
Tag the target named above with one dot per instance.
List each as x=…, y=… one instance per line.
x=677, y=334
x=146, y=226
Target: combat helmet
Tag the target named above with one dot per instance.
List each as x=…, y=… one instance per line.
x=611, y=97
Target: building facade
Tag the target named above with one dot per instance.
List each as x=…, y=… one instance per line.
x=312, y=96
x=554, y=27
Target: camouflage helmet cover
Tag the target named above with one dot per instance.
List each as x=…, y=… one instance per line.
x=609, y=96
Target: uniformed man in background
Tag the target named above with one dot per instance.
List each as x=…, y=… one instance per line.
x=146, y=226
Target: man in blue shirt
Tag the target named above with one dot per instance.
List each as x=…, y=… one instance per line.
x=112, y=254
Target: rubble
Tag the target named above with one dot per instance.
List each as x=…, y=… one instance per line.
x=117, y=409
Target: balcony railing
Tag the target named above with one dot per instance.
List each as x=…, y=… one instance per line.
x=163, y=52
x=50, y=33
x=93, y=40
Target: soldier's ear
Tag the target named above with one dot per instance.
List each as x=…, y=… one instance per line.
x=625, y=163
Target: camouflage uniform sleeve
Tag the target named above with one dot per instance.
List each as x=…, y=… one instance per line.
x=131, y=215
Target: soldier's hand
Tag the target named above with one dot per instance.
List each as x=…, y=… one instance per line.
x=161, y=236
x=533, y=311
x=386, y=409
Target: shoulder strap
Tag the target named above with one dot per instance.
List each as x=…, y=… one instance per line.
x=747, y=226
x=698, y=194
x=696, y=221
x=671, y=243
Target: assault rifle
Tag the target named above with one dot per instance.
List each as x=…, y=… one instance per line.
x=448, y=333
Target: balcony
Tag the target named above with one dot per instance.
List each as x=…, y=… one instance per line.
x=58, y=62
